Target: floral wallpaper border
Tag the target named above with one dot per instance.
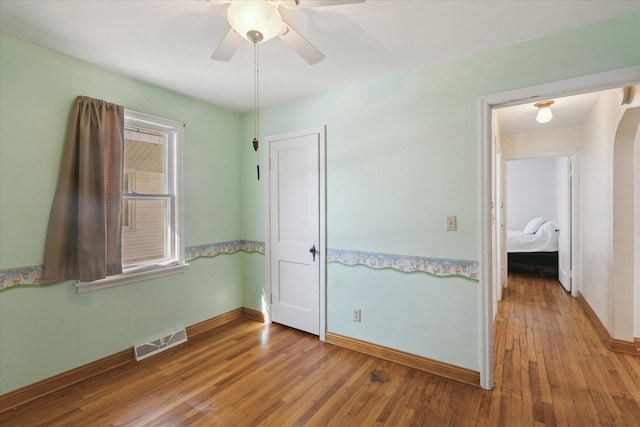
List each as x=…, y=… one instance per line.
x=32, y=275
x=213, y=249
x=21, y=276
x=406, y=263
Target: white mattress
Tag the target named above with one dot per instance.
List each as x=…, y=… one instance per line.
x=544, y=240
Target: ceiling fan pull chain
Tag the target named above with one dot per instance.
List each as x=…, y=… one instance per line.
x=257, y=106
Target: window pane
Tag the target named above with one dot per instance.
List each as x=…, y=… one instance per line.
x=145, y=241
x=144, y=222
x=144, y=163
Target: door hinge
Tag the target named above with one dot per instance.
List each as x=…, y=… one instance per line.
x=269, y=163
x=271, y=298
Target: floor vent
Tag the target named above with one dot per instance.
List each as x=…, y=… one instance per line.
x=151, y=347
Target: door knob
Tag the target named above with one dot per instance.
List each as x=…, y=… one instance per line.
x=313, y=251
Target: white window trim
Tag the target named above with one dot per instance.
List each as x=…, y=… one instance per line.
x=126, y=278
x=132, y=208
x=177, y=265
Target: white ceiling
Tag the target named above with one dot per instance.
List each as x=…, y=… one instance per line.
x=169, y=43
x=568, y=111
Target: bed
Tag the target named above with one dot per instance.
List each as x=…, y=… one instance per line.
x=534, y=249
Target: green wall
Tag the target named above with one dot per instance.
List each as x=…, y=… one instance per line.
x=49, y=329
x=401, y=156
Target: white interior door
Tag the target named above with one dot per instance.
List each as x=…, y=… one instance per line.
x=295, y=244
x=564, y=222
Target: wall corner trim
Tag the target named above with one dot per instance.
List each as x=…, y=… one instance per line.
x=252, y=314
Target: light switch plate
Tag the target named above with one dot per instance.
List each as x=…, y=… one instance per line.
x=452, y=223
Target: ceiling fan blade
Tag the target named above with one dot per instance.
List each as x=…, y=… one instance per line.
x=299, y=4
x=227, y=46
x=306, y=50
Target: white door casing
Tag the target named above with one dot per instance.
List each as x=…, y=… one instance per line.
x=564, y=221
x=296, y=233
x=595, y=82
x=501, y=272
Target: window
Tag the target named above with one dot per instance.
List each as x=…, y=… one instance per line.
x=151, y=205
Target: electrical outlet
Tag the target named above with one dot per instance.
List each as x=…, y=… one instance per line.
x=452, y=223
x=357, y=315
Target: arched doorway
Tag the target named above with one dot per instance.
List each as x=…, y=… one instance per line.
x=624, y=214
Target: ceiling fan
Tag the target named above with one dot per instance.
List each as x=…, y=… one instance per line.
x=259, y=20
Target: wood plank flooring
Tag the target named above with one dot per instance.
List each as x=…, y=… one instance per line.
x=551, y=369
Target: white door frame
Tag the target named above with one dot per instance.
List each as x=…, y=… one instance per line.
x=499, y=227
x=574, y=219
x=596, y=82
x=568, y=188
x=322, y=250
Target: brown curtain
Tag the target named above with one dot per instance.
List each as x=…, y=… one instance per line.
x=84, y=234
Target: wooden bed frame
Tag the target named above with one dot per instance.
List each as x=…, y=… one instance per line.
x=540, y=263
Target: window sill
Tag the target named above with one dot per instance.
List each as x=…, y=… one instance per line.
x=124, y=279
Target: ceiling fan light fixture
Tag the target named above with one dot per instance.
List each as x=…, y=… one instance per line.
x=256, y=21
x=544, y=111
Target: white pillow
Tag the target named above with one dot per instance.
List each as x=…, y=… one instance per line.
x=533, y=225
x=549, y=227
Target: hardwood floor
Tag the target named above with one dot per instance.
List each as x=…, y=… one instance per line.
x=551, y=369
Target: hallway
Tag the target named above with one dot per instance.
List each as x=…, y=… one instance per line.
x=551, y=364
